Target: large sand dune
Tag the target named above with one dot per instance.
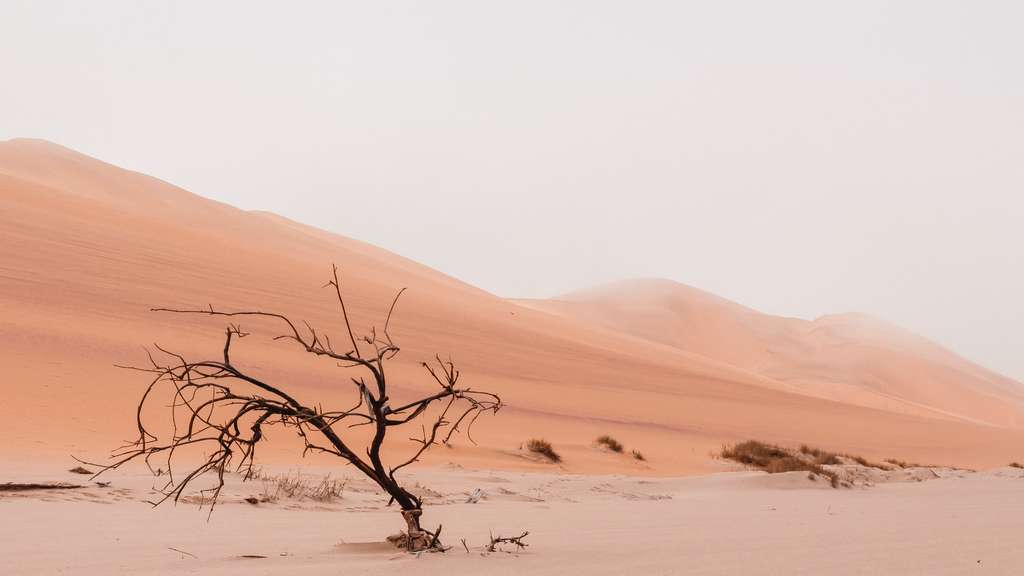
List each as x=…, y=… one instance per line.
x=87, y=248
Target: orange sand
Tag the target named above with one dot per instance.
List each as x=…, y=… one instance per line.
x=87, y=248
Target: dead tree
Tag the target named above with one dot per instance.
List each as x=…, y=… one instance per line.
x=222, y=410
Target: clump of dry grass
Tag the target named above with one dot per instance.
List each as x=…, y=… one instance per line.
x=637, y=455
x=754, y=453
x=544, y=448
x=327, y=490
x=902, y=464
x=821, y=457
x=1015, y=465
x=826, y=458
x=81, y=470
x=610, y=443
x=776, y=459
x=865, y=462
x=298, y=487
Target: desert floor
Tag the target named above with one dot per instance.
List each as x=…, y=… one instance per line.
x=924, y=522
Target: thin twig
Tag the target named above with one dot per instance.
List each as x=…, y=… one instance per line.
x=183, y=552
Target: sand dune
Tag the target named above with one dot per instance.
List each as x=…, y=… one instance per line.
x=88, y=248
x=845, y=357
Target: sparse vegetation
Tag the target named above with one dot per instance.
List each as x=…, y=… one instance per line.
x=544, y=448
x=610, y=443
x=754, y=453
x=298, y=487
x=80, y=470
x=821, y=457
x=826, y=458
x=866, y=463
x=902, y=464
x=637, y=455
x=775, y=459
x=1016, y=465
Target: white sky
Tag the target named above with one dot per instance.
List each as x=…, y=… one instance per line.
x=798, y=157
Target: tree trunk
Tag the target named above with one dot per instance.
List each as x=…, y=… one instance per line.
x=416, y=538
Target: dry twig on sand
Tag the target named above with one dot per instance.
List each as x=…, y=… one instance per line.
x=16, y=487
x=499, y=540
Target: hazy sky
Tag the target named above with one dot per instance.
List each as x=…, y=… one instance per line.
x=798, y=157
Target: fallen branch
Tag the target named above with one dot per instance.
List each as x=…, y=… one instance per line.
x=517, y=540
x=15, y=487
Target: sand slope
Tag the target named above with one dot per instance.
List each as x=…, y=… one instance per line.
x=845, y=357
x=88, y=248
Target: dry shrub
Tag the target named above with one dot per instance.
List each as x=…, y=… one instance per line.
x=637, y=455
x=81, y=470
x=754, y=453
x=610, y=443
x=1016, y=465
x=544, y=448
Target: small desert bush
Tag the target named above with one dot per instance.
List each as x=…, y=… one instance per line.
x=754, y=453
x=544, y=448
x=1016, y=465
x=610, y=443
x=638, y=455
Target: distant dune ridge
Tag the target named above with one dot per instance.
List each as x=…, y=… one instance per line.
x=847, y=357
x=667, y=369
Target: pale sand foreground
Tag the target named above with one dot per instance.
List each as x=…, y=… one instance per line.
x=730, y=523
